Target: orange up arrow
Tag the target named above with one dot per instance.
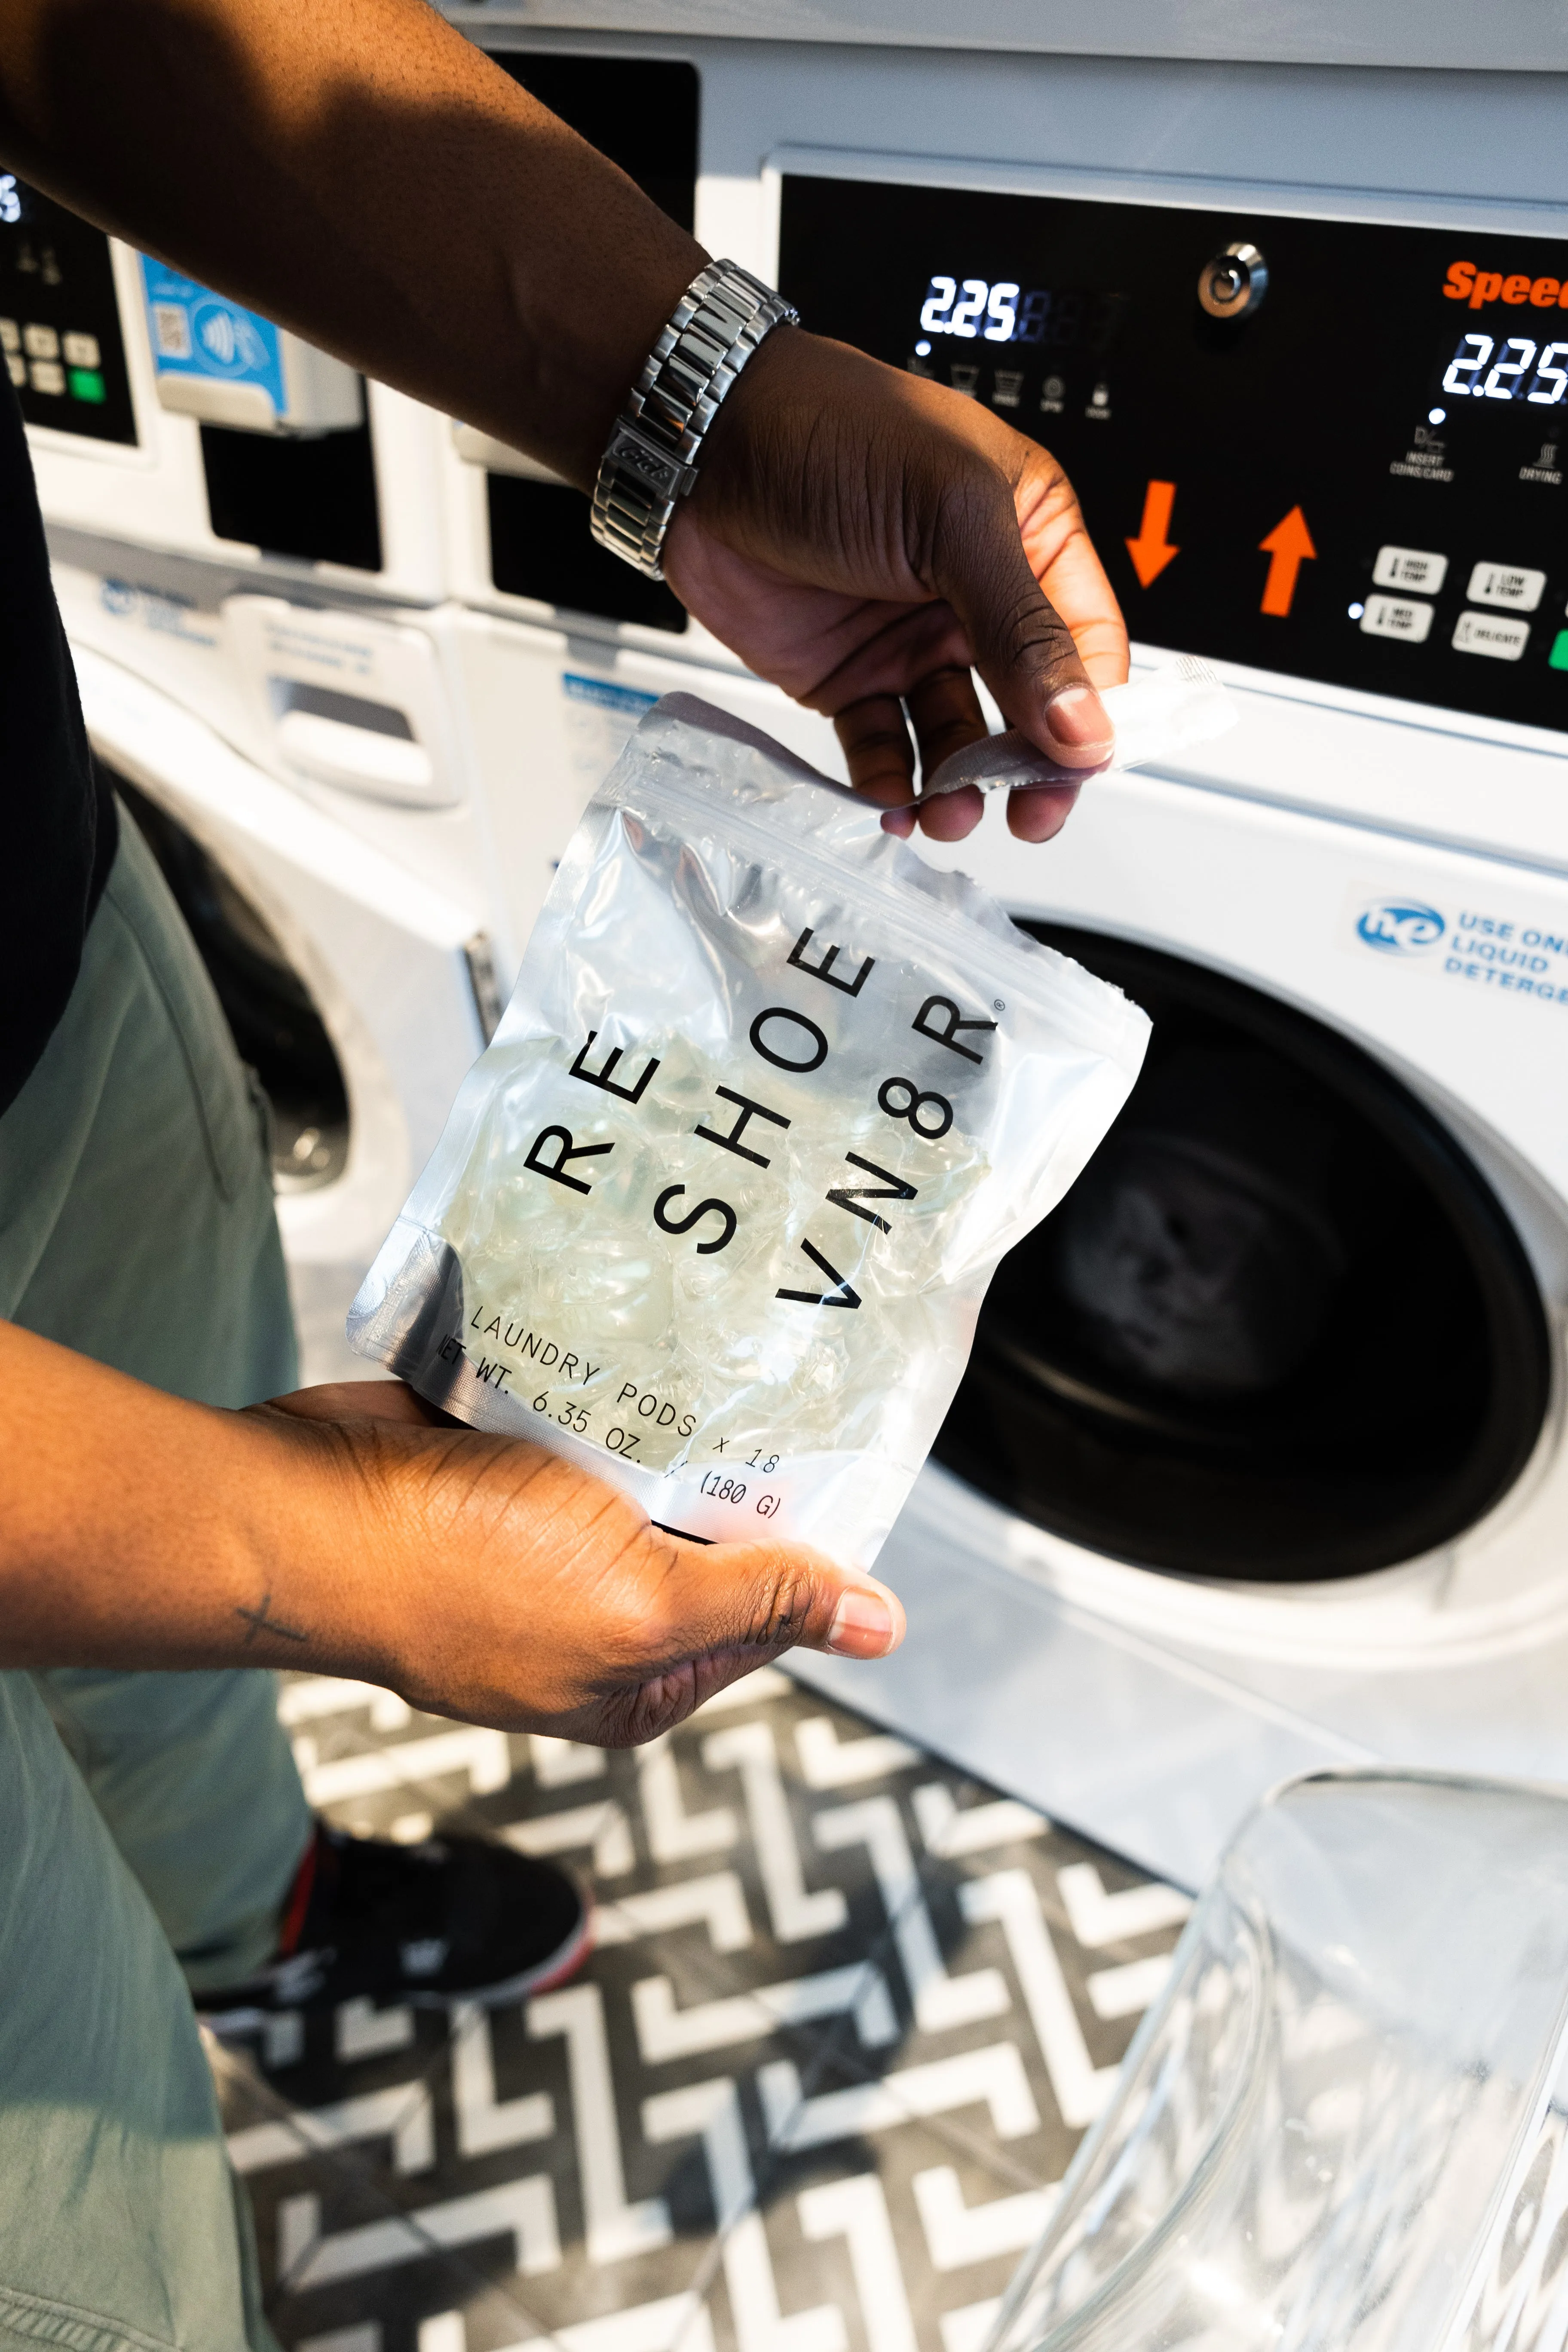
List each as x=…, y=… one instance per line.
x=1152, y=550
x=1286, y=546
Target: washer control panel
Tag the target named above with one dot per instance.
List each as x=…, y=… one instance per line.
x=1330, y=448
x=59, y=320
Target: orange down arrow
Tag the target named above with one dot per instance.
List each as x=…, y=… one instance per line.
x=1286, y=546
x=1152, y=550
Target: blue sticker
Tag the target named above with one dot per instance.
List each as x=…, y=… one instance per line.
x=1400, y=926
x=606, y=695
x=195, y=332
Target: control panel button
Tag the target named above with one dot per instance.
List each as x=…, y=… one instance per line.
x=1397, y=616
x=1409, y=567
x=1490, y=634
x=40, y=343
x=83, y=351
x=10, y=335
x=1507, y=584
x=1234, y=282
x=47, y=375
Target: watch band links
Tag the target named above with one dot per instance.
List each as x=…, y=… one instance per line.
x=650, y=461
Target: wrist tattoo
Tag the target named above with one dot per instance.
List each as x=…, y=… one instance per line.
x=262, y=1621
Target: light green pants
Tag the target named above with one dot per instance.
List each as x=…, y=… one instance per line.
x=136, y=1224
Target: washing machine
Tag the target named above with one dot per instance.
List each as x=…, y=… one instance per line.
x=253, y=584
x=1258, y=1464
x=561, y=648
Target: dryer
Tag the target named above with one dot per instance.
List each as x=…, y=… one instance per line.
x=1259, y=1461
x=267, y=668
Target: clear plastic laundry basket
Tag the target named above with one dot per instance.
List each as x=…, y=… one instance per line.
x=1342, y=2126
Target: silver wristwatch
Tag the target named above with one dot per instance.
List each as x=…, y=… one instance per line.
x=652, y=461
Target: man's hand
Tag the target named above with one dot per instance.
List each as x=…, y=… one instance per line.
x=862, y=537
x=351, y=1530
x=516, y=1590
x=858, y=535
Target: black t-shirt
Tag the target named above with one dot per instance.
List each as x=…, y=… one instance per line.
x=57, y=830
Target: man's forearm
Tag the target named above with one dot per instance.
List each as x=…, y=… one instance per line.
x=138, y=1530
x=353, y=1531
x=366, y=176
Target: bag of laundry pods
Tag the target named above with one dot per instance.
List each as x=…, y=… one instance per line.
x=714, y=1214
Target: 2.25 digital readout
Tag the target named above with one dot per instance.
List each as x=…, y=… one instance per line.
x=1000, y=311
x=1518, y=369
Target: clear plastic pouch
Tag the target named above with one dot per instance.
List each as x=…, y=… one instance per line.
x=714, y=1212
x=1343, y=2127
x=1168, y=710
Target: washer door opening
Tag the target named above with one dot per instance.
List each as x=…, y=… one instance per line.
x=275, y=1026
x=1282, y=1329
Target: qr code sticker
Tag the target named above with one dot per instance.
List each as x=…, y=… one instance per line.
x=172, y=330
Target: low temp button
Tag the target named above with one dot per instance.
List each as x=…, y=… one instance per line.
x=1505, y=584
x=1397, y=616
x=1490, y=634
x=1410, y=567
x=1234, y=283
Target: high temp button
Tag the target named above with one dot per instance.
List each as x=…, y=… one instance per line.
x=1397, y=616
x=1506, y=584
x=1409, y=567
x=1492, y=633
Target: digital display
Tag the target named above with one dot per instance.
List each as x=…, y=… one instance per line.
x=1355, y=475
x=59, y=320
x=1005, y=313
x=1516, y=368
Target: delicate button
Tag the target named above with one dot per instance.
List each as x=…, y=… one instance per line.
x=48, y=375
x=10, y=335
x=1505, y=584
x=40, y=343
x=81, y=351
x=1395, y=616
x=16, y=369
x=1485, y=633
x=1409, y=567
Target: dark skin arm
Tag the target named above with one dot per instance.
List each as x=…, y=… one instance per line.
x=350, y=1530
x=361, y=173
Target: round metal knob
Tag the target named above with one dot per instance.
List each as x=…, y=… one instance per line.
x=1234, y=283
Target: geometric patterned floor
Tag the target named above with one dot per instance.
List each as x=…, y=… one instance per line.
x=847, y=2017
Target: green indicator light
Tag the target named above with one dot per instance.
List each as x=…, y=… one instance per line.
x=1558, y=658
x=86, y=383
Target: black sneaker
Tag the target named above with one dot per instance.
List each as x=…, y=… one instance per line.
x=457, y=1919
